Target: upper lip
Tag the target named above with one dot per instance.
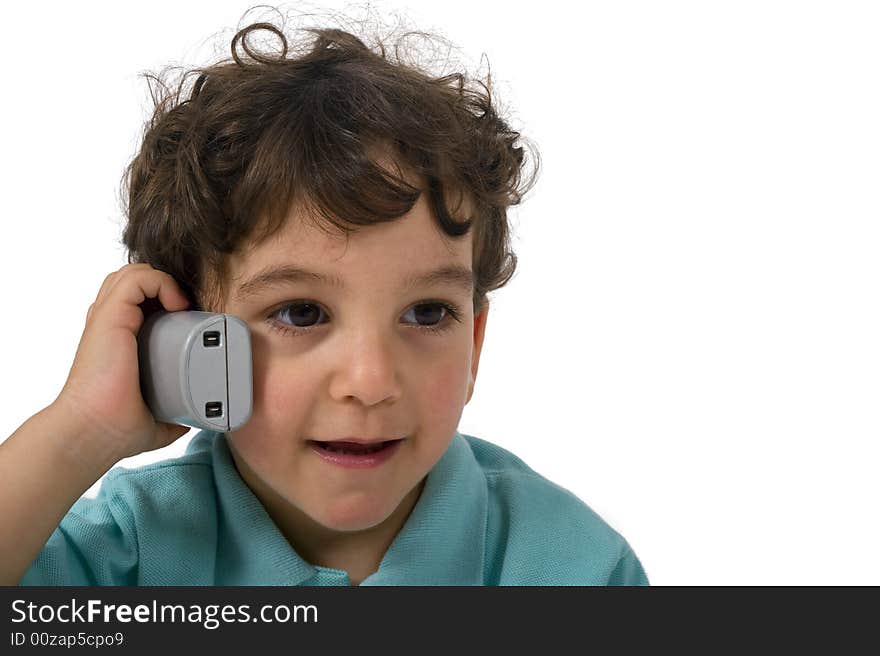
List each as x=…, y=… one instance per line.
x=363, y=440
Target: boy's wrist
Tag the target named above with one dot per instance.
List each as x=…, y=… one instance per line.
x=78, y=446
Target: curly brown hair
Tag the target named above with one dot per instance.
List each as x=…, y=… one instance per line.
x=259, y=135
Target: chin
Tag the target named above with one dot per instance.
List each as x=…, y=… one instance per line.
x=352, y=516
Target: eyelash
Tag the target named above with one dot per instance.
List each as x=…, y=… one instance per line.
x=452, y=312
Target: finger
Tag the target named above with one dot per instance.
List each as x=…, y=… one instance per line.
x=116, y=276
x=150, y=284
x=103, y=292
x=110, y=283
x=169, y=433
x=105, y=287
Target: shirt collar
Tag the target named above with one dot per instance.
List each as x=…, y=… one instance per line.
x=442, y=542
x=443, y=539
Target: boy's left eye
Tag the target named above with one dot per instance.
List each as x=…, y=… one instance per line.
x=300, y=316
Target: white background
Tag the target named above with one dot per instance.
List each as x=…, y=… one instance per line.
x=690, y=344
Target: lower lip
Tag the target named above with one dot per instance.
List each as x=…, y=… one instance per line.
x=355, y=461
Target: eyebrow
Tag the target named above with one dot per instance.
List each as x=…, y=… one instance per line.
x=455, y=276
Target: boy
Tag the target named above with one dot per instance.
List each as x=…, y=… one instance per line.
x=329, y=200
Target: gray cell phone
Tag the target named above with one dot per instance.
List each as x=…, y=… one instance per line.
x=196, y=369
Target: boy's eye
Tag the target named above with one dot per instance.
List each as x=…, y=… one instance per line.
x=302, y=316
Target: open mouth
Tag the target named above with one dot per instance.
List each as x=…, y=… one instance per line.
x=353, y=448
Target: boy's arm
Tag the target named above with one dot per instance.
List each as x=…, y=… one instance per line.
x=45, y=466
x=98, y=419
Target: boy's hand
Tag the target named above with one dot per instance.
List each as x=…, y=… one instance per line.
x=102, y=393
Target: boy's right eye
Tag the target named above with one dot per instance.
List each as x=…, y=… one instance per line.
x=301, y=315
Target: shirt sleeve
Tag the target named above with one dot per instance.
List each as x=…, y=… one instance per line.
x=95, y=544
x=629, y=571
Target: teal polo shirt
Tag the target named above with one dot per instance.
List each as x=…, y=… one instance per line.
x=483, y=518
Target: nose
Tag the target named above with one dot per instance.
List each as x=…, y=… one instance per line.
x=367, y=371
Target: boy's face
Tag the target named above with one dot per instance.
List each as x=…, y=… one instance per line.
x=363, y=364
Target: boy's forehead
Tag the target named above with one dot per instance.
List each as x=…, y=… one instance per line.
x=402, y=248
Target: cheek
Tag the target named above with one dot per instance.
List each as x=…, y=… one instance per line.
x=280, y=384
x=284, y=392
x=445, y=388
x=275, y=421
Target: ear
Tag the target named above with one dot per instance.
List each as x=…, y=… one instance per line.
x=479, y=333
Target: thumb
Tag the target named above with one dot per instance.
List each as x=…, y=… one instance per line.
x=168, y=433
